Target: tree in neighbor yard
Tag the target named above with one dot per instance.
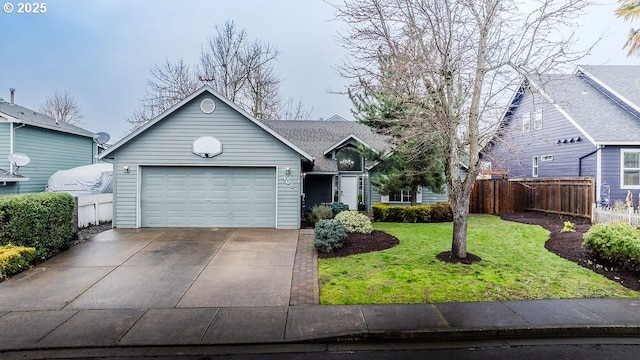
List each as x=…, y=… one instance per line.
x=630, y=10
x=62, y=107
x=453, y=65
x=240, y=69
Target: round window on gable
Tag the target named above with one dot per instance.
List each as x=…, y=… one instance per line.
x=207, y=106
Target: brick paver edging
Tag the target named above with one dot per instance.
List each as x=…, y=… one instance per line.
x=304, y=282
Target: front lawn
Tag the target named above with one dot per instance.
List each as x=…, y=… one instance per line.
x=515, y=266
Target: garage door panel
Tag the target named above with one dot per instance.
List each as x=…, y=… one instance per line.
x=208, y=197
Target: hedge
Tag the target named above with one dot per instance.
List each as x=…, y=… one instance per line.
x=41, y=220
x=617, y=243
x=412, y=214
x=14, y=259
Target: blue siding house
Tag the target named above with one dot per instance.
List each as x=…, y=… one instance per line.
x=586, y=124
x=51, y=146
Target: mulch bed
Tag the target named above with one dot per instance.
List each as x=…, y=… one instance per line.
x=569, y=246
x=360, y=243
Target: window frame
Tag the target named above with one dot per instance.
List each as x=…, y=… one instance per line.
x=526, y=122
x=537, y=119
x=535, y=166
x=622, y=169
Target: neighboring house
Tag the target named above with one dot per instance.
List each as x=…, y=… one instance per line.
x=205, y=162
x=582, y=125
x=51, y=146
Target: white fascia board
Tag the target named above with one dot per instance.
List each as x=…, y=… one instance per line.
x=347, y=138
x=609, y=89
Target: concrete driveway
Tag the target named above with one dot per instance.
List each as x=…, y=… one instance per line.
x=161, y=268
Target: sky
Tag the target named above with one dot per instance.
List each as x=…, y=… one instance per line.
x=101, y=50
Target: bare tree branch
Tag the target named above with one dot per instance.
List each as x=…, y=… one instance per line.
x=62, y=107
x=453, y=64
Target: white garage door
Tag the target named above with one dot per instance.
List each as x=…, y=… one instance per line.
x=208, y=197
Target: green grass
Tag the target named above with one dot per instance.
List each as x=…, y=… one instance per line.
x=515, y=266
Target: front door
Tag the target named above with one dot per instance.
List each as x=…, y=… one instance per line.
x=349, y=191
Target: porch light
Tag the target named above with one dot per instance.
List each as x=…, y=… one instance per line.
x=126, y=169
x=287, y=170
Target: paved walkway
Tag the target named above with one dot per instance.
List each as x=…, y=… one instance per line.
x=143, y=297
x=305, y=289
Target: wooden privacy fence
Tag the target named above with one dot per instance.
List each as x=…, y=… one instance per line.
x=567, y=196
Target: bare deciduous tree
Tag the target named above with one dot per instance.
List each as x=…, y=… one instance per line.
x=62, y=106
x=292, y=110
x=169, y=83
x=453, y=66
x=240, y=69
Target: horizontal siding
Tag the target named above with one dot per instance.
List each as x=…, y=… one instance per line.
x=49, y=151
x=243, y=144
x=513, y=150
x=611, y=173
x=428, y=196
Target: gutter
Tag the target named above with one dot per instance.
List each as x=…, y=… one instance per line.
x=584, y=156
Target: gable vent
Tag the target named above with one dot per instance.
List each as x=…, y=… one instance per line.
x=207, y=106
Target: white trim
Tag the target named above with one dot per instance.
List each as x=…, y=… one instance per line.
x=619, y=143
x=598, y=172
x=350, y=136
x=139, y=184
x=193, y=95
x=535, y=166
x=564, y=113
x=11, y=145
x=622, y=152
x=609, y=89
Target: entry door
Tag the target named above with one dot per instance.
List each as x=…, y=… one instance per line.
x=349, y=191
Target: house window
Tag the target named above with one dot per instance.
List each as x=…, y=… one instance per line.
x=534, y=170
x=537, y=120
x=630, y=176
x=526, y=122
x=403, y=196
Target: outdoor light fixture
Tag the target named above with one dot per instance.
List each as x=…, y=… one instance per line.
x=287, y=170
x=126, y=169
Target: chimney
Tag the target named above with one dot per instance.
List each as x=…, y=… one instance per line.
x=13, y=95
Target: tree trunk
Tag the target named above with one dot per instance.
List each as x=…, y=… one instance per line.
x=414, y=195
x=460, y=210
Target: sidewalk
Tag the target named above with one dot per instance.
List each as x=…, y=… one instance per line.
x=88, y=329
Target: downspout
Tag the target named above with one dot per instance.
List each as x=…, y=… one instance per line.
x=582, y=157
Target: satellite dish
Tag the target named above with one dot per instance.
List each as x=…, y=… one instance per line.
x=19, y=160
x=101, y=138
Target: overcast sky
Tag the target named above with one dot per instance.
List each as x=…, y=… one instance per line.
x=102, y=50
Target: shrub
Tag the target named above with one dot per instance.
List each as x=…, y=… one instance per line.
x=329, y=235
x=617, y=243
x=355, y=222
x=320, y=212
x=338, y=207
x=568, y=227
x=441, y=212
x=412, y=214
x=14, y=259
x=42, y=220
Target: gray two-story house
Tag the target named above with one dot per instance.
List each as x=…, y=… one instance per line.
x=586, y=124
